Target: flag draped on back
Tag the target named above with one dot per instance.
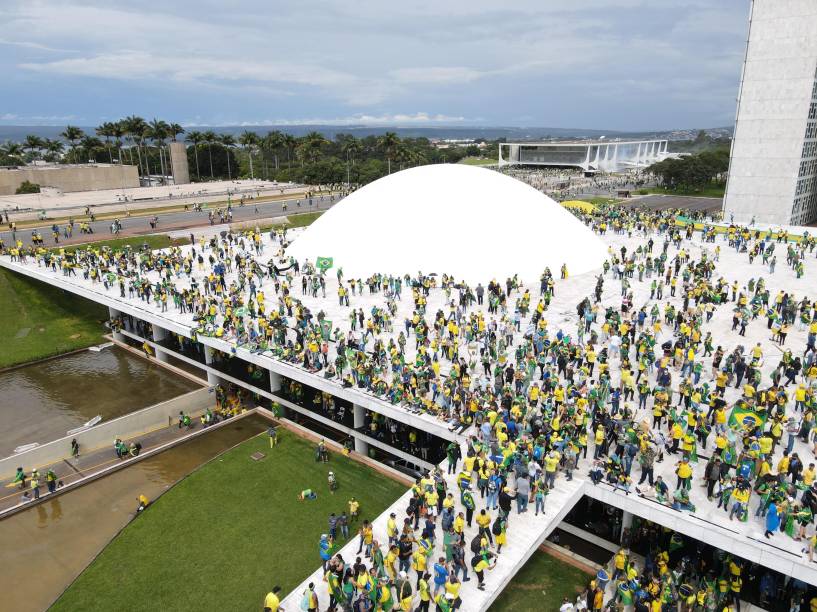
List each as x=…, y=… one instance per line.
x=745, y=417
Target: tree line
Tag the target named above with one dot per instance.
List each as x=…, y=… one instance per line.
x=275, y=155
x=692, y=172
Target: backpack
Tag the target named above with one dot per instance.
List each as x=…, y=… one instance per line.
x=476, y=546
x=496, y=529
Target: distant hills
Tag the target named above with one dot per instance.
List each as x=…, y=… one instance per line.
x=17, y=133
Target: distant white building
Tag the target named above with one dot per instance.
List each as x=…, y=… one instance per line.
x=773, y=167
x=590, y=156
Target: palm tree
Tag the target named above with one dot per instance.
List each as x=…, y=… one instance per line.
x=106, y=130
x=158, y=131
x=13, y=151
x=134, y=127
x=196, y=138
x=272, y=142
x=174, y=129
x=351, y=148
x=388, y=142
x=402, y=154
x=289, y=142
x=117, y=131
x=34, y=144
x=53, y=149
x=418, y=158
x=90, y=145
x=209, y=138
x=72, y=134
x=312, y=144
x=228, y=142
x=249, y=140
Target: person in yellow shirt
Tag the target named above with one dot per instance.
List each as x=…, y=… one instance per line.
x=272, y=601
x=684, y=473
x=809, y=475
x=484, y=523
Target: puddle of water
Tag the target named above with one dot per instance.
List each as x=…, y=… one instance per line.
x=43, y=549
x=40, y=402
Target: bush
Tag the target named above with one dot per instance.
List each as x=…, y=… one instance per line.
x=643, y=191
x=28, y=187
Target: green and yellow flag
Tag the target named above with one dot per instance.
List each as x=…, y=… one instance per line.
x=324, y=263
x=745, y=417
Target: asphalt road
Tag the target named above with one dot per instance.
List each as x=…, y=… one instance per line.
x=136, y=226
x=691, y=203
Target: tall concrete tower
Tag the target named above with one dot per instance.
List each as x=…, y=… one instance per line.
x=773, y=167
x=178, y=163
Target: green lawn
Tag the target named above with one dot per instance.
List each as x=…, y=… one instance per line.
x=41, y=321
x=296, y=220
x=154, y=241
x=713, y=191
x=478, y=161
x=541, y=585
x=223, y=536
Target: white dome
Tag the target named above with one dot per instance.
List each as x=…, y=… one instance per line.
x=469, y=222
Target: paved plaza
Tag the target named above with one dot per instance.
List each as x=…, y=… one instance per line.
x=739, y=277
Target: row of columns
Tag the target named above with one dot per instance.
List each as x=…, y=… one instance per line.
x=160, y=333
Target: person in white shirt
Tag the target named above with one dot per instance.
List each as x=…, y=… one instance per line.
x=566, y=606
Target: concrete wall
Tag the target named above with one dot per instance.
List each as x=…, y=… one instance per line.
x=773, y=106
x=178, y=163
x=102, y=435
x=89, y=177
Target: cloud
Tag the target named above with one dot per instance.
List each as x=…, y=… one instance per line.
x=36, y=119
x=436, y=74
x=144, y=66
x=33, y=45
x=556, y=62
x=399, y=119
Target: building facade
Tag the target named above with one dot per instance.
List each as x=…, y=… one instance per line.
x=594, y=156
x=70, y=177
x=773, y=166
x=179, y=166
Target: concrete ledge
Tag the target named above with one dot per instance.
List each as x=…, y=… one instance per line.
x=121, y=465
x=102, y=435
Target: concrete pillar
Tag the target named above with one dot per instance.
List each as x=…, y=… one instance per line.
x=159, y=334
x=361, y=446
x=115, y=314
x=626, y=523
x=274, y=382
x=212, y=379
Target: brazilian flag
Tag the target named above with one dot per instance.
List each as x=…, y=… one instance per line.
x=324, y=263
x=326, y=329
x=625, y=594
x=676, y=542
x=744, y=417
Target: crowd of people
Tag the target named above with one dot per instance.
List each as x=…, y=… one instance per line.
x=647, y=370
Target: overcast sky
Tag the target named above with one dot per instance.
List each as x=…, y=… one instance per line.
x=608, y=64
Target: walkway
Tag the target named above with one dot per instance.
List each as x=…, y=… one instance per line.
x=94, y=463
x=137, y=225
x=525, y=534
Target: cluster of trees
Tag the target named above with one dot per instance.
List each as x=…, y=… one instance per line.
x=692, y=172
x=276, y=155
x=312, y=158
x=131, y=140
